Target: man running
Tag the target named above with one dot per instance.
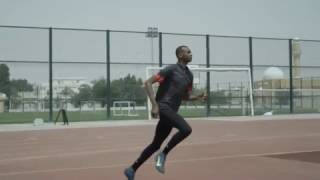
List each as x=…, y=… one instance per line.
x=175, y=85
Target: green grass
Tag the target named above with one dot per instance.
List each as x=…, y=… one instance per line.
x=23, y=117
x=28, y=117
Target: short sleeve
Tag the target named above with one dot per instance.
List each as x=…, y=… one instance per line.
x=167, y=71
x=164, y=73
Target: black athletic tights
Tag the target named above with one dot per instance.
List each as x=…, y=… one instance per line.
x=168, y=120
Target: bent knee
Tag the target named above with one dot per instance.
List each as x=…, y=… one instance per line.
x=187, y=131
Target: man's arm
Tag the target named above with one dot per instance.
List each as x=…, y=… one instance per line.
x=148, y=88
x=203, y=96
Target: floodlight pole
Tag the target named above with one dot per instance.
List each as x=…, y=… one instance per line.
x=152, y=33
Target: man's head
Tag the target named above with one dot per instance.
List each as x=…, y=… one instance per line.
x=184, y=54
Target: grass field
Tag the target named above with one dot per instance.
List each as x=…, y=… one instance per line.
x=28, y=117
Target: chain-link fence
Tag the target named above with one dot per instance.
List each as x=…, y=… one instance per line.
x=87, y=71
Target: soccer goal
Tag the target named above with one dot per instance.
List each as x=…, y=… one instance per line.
x=223, y=71
x=124, y=108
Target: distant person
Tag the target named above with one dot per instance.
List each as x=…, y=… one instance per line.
x=175, y=85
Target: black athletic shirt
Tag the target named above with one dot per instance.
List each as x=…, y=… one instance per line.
x=175, y=83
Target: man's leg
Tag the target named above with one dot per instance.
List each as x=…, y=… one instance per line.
x=163, y=129
x=184, y=130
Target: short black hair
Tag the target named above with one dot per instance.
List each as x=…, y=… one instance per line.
x=179, y=49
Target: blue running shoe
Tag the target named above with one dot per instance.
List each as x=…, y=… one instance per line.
x=160, y=161
x=129, y=172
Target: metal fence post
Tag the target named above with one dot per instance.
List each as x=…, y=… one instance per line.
x=208, y=75
x=251, y=65
x=290, y=76
x=160, y=49
x=108, y=96
x=50, y=76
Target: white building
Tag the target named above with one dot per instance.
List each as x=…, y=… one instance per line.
x=59, y=84
x=38, y=98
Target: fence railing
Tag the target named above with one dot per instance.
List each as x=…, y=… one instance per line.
x=40, y=66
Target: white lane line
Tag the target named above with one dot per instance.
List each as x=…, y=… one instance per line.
x=170, y=162
x=137, y=148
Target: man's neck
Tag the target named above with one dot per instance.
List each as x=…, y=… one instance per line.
x=182, y=62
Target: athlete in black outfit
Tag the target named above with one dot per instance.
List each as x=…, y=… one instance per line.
x=175, y=85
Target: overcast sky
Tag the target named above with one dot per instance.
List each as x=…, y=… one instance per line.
x=271, y=18
x=259, y=18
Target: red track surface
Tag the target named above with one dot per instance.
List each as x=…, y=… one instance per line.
x=216, y=150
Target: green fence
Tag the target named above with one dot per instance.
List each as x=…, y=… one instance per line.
x=89, y=72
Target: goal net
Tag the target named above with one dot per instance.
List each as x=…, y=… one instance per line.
x=124, y=108
x=230, y=91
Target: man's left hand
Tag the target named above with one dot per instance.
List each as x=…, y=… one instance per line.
x=203, y=96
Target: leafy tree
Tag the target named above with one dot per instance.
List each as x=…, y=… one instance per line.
x=4, y=79
x=85, y=94
x=67, y=92
x=128, y=88
x=18, y=85
x=99, y=88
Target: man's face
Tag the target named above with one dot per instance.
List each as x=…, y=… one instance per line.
x=185, y=55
